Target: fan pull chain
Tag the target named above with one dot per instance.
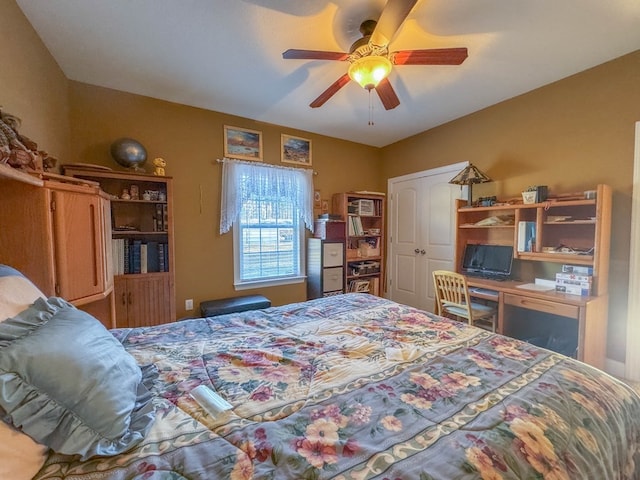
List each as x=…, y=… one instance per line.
x=370, y=108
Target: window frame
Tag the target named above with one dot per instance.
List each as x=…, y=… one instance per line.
x=240, y=284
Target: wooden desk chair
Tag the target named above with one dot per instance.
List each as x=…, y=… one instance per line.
x=452, y=298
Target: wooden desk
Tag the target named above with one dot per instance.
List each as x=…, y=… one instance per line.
x=590, y=313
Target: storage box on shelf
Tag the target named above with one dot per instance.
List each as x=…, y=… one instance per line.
x=364, y=238
x=142, y=244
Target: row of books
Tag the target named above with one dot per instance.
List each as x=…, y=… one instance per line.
x=161, y=218
x=575, y=280
x=355, y=226
x=136, y=256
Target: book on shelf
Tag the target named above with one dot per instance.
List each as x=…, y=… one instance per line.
x=165, y=217
x=159, y=218
x=526, y=236
x=153, y=262
x=162, y=264
x=126, y=257
x=577, y=269
x=572, y=277
x=574, y=283
x=117, y=249
x=134, y=261
x=573, y=289
x=166, y=257
x=143, y=258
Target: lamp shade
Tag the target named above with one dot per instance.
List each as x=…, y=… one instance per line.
x=468, y=176
x=369, y=71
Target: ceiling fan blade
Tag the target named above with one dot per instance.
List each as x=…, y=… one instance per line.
x=387, y=95
x=331, y=91
x=292, y=53
x=394, y=13
x=434, y=56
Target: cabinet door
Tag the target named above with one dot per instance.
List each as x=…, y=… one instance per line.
x=142, y=301
x=79, y=244
x=105, y=220
x=121, y=302
x=25, y=232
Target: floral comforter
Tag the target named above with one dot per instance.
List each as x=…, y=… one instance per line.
x=358, y=387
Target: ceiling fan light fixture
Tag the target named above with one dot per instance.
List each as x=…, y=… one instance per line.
x=369, y=71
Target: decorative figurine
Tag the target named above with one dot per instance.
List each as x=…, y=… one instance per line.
x=19, y=151
x=134, y=192
x=125, y=195
x=159, y=163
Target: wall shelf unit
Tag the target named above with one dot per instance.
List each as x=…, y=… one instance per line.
x=142, y=244
x=547, y=237
x=364, y=239
x=566, y=231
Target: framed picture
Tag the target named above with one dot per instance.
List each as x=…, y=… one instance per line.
x=296, y=150
x=242, y=143
x=317, y=199
x=324, y=205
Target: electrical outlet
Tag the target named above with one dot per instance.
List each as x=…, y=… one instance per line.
x=188, y=304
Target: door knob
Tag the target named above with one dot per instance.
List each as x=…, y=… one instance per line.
x=417, y=250
x=423, y=251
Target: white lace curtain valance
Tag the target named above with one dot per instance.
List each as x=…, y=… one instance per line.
x=242, y=181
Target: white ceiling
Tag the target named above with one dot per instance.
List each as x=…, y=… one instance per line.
x=226, y=55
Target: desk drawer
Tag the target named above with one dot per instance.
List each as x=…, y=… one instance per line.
x=540, y=305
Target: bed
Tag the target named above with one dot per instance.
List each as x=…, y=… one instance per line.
x=357, y=387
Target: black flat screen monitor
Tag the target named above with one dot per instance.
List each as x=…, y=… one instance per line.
x=492, y=261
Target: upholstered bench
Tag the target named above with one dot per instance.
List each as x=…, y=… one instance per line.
x=222, y=306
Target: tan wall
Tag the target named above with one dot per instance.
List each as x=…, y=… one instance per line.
x=570, y=135
x=190, y=140
x=32, y=86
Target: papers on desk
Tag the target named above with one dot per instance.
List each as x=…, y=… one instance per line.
x=536, y=286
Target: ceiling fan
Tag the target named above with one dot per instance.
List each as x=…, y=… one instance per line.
x=371, y=61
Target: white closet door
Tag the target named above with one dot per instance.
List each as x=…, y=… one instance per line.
x=438, y=232
x=404, y=216
x=422, y=233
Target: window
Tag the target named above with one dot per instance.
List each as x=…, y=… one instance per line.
x=268, y=207
x=267, y=242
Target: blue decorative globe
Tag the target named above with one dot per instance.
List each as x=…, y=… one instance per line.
x=129, y=153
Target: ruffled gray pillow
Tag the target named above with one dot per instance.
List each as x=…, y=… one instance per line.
x=69, y=384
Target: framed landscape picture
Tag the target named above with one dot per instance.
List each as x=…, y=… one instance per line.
x=296, y=150
x=242, y=143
